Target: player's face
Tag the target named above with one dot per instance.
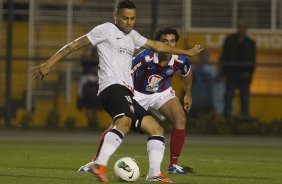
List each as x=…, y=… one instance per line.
x=168, y=39
x=125, y=19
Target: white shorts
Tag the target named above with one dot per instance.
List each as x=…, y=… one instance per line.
x=155, y=100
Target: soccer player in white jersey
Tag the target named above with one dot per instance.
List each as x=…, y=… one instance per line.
x=116, y=44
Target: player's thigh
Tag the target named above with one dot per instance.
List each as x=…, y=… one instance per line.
x=117, y=101
x=142, y=99
x=174, y=111
x=151, y=126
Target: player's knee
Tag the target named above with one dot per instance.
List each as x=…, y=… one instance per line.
x=180, y=121
x=156, y=129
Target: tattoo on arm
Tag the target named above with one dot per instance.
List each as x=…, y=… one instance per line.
x=75, y=45
x=67, y=49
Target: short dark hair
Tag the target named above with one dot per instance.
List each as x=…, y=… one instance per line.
x=166, y=30
x=125, y=4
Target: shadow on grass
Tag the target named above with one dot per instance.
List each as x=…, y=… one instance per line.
x=235, y=177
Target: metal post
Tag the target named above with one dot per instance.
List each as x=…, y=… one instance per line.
x=1, y=29
x=69, y=38
x=30, y=55
x=234, y=13
x=154, y=15
x=9, y=58
x=186, y=15
x=186, y=21
x=280, y=15
x=273, y=14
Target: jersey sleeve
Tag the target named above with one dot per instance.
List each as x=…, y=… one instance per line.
x=138, y=61
x=139, y=40
x=98, y=34
x=185, y=66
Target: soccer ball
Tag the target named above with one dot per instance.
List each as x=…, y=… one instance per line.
x=126, y=169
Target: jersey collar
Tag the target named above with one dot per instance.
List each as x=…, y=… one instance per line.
x=171, y=61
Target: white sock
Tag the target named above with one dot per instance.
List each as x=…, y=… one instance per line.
x=155, y=148
x=112, y=141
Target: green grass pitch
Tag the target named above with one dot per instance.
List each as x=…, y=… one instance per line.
x=43, y=162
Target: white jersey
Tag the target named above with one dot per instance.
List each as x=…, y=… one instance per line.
x=115, y=50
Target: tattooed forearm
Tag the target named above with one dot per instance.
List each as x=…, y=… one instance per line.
x=67, y=49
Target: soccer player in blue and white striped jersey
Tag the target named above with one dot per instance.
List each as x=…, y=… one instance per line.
x=152, y=74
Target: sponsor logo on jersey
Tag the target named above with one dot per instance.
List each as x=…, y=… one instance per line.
x=136, y=67
x=126, y=51
x=153, y=82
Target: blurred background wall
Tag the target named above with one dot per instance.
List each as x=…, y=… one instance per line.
x=32, y=30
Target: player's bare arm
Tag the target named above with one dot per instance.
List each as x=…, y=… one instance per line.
x=161, y=47
x=187, y=84
x=42, y=70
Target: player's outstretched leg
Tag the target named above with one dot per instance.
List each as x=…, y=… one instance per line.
x=87, y=167
x=155, y=148
x=111, y=141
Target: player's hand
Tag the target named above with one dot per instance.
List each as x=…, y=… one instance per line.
x=187, y=102
x=39, y=72
x=195, y=50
